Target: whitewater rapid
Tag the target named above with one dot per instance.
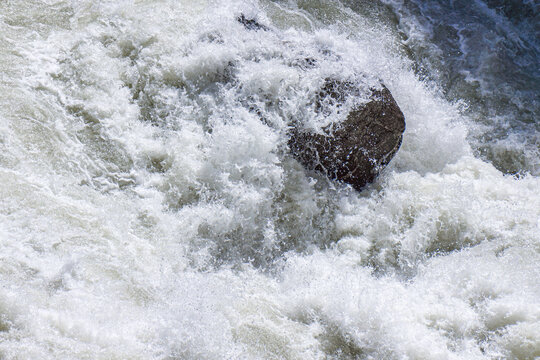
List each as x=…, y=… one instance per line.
x=149, y=207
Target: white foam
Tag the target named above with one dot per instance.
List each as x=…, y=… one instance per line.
x=147, y=211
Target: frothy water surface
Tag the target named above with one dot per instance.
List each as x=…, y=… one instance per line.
x=150, y=207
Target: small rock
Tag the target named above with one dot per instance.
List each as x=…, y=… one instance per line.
x=251, y=24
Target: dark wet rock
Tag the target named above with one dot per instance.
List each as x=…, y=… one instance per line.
x=251, y=24
x=355, y=150
x=305, y=63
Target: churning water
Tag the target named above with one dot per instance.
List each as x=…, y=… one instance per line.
x=149, y=208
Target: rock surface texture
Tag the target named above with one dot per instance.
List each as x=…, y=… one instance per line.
x=251, y=24
x=355, y=150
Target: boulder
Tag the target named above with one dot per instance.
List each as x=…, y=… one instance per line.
x=355, y=150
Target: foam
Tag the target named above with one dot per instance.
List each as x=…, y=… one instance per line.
x=147, y=211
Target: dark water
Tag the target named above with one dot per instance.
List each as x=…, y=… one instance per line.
x=486, y=53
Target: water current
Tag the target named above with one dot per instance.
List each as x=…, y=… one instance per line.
x=150, y=208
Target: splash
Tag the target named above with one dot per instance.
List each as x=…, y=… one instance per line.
x=150, y=207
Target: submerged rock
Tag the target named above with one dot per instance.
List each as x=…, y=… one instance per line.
x=355, y=150
x=250, y=24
